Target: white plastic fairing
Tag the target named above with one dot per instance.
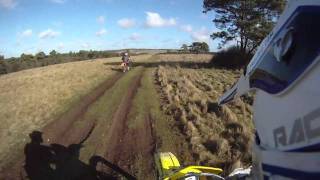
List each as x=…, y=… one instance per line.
x=191, y=178
x=289, y=121
x=238, y=89
x=288, y=126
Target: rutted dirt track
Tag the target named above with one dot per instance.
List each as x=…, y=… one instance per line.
x=61, y=131
x=124, y=144
x=114, y=154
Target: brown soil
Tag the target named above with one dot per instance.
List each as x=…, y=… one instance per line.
x=125, y=145
x=62, y=131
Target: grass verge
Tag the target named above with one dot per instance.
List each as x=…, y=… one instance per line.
x=218, y=136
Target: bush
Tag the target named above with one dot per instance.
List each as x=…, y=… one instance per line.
x=3, y=69
x=231, y=58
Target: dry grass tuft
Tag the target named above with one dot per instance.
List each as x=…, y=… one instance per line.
x=218, y=136
x=183, y=57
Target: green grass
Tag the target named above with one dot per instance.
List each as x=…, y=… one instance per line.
x=101, y=111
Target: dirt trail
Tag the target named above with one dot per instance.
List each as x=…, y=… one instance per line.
x=61, y=131
x=119, y=127
x=126, y=145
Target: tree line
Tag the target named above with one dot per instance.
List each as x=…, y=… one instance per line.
x=28, y=61
x=195, y=47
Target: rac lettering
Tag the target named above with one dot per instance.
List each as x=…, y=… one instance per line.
x=303, y=129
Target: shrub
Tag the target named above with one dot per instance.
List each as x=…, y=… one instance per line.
x=3, y=69
x=231, y=58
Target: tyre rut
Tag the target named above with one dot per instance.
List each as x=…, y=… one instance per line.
x=131, y=148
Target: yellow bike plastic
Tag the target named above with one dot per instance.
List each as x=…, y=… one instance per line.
x=169, y=167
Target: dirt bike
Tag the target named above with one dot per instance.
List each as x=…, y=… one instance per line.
x=169, y=168
x=126, y=66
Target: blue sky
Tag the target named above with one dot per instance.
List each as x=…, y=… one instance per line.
x=30, y=26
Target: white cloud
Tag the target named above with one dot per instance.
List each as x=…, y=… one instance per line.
x=202, y=35
x=60, y=45
x=135, y=37
x=85, y=45
x=58, y=1
x=49, y=33
x=155, y=20
x=8, y=4
x=101, y=19
x=126, y=23
x=186, y=28
x=101, y=32
x=26, y=33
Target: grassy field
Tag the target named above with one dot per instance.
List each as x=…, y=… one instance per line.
x=32, y=98
x=198, y=58
x=167, y=102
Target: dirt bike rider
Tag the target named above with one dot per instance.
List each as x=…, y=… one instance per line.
x=285, y=75
x=126, y=61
